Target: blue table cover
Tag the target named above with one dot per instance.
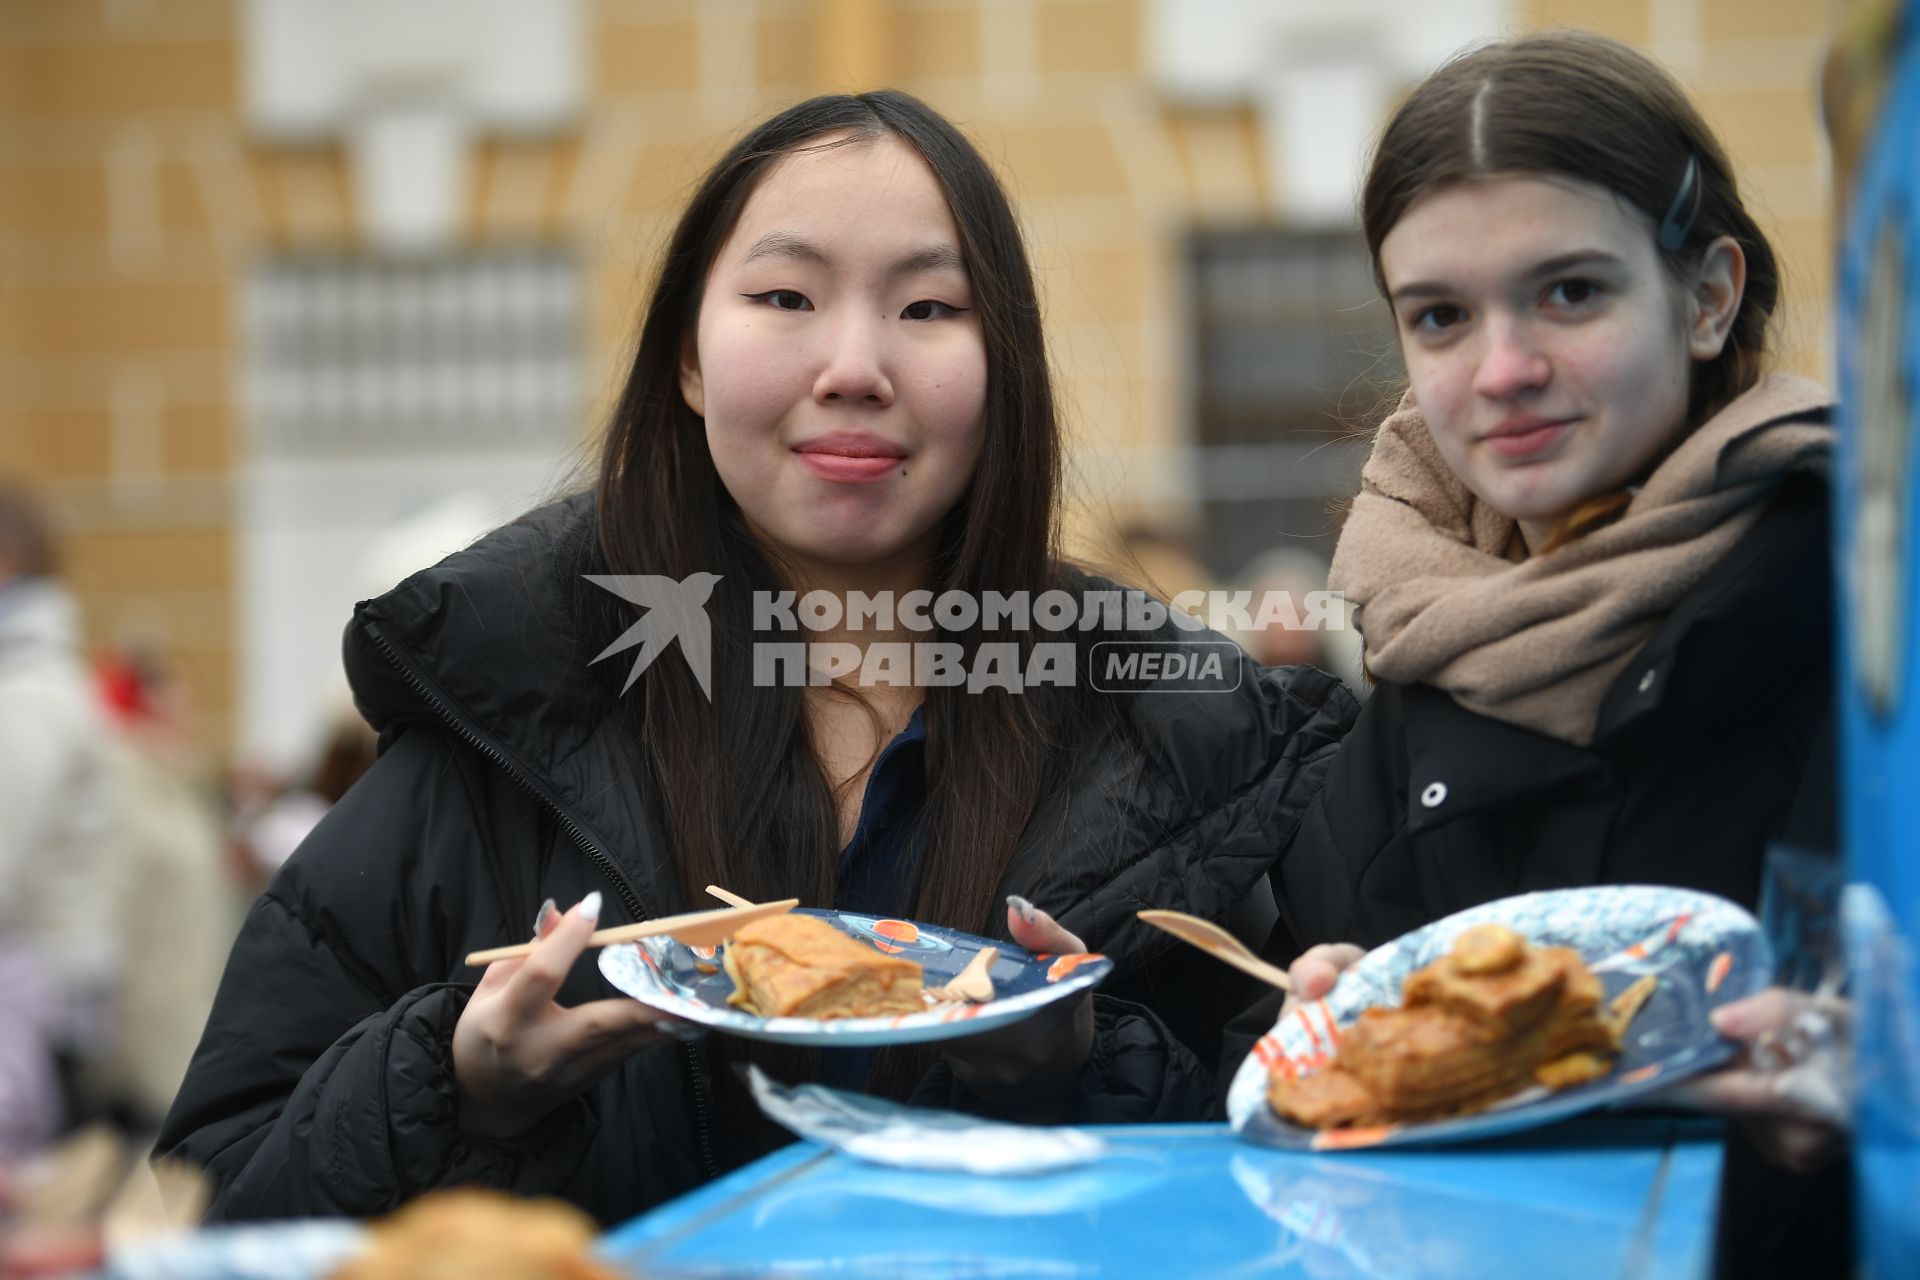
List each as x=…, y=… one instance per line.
x=1609, y=1197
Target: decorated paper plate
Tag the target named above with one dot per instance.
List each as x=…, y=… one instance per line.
x=1704, y=952
x=689, y=983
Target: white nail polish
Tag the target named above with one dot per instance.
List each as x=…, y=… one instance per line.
x=1021, y=907
x=590, y=905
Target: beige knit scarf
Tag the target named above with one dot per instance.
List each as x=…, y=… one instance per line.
x=1448, y=597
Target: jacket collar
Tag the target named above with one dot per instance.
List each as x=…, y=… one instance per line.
x=1756, y=625
x=1759, y=623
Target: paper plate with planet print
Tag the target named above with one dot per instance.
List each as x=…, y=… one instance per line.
x=689, y=983
x=1704, y=951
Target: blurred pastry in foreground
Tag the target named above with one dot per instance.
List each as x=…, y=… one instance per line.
x=796, y=966
x=469, y=1234
x=1491, y=1017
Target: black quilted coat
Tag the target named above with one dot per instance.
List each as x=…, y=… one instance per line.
x=323, y=1083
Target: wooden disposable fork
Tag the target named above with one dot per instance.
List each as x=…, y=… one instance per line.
x=1216, y=942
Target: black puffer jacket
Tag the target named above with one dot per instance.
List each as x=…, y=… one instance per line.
x=1714, y=742
x=1700, y=753
x=323, y=1083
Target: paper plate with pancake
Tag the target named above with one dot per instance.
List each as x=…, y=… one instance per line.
x=837, y=979
x=1503, y=1017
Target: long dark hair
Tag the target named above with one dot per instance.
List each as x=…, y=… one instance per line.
x=1581, y=106
x=745, y=801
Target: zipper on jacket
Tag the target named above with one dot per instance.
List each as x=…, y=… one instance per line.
x=628, y=894
x=697, y=1077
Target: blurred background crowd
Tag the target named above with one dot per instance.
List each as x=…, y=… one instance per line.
x=296, y=296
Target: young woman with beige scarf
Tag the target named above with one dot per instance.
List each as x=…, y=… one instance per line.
x=1589, y=550
x=1589, y=553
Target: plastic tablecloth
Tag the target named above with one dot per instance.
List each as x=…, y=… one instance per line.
x=1607, y=1196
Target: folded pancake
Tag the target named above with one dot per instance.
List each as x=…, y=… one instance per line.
x=796, y=966
x=1492, y=1017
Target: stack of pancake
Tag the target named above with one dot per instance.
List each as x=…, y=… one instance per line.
x=1484, y=1021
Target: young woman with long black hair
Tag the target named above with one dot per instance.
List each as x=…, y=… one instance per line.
x=840, y=387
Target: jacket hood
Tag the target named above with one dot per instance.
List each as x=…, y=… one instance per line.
x=489, y=644
x=490, y=632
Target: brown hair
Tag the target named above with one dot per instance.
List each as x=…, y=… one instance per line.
x=1581, y=106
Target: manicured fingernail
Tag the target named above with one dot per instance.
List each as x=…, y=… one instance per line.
x=1021, y=907
x=590, y=905
x=541, y=917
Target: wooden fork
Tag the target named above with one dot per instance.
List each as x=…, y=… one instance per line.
x=1216, y=942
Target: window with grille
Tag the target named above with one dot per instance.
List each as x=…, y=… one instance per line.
x=358, y=356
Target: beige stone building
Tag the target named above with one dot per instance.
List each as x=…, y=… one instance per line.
x=165, y=204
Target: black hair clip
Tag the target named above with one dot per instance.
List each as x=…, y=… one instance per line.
x=1674, y=232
